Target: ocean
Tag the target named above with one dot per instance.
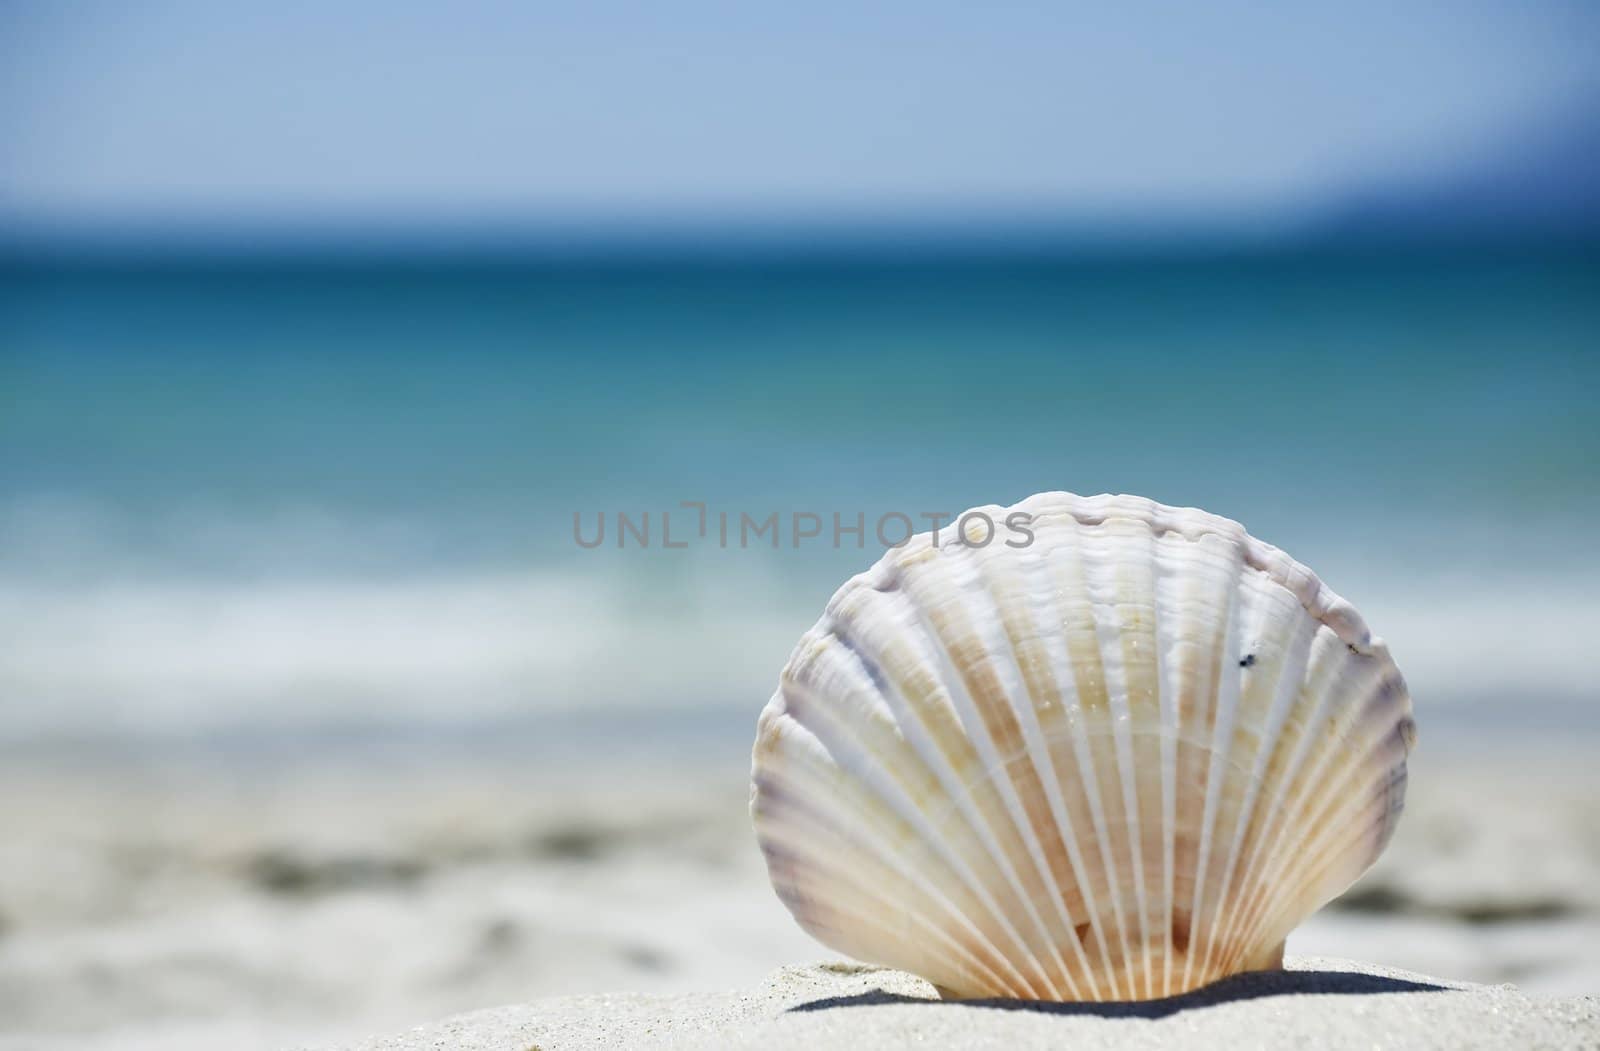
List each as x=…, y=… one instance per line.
x=313, y=494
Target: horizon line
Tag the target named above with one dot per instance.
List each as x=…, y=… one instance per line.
x=893, y=239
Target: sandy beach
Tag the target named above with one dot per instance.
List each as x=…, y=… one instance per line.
x=1316, y=1001
x=215, y=903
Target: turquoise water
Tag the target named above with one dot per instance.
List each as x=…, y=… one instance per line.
x=1427, y=382
x=1430, y=411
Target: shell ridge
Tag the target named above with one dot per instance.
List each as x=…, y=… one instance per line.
x=1223, y=689
x=1325, y=749
x=1264, y=849
x=1039, y=750
x=1331, y=847
x=846, y=825
x=1304, y=762
x=1085, y=662
x=1051, y=829
x=845, y=740
x=1398, y=780
x=1330, y=814
x=991, y=755
x=1255, y=680
x=1289, y=671
x=1193, y=523
x=959, y=797
x=1141, y=651
x=807, y=826
x=1089, y=511
x=1233, y=772
x=1191, y=611
x=1047, y=619
x=1351, y=814
x=979, y=813
x=1108, y=591
x=1168, y=586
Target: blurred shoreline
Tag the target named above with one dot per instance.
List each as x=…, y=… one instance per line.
x=156, y=895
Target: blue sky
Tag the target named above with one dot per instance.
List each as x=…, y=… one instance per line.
x=403, y=114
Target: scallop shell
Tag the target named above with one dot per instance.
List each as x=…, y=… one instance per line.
x=1117, y=762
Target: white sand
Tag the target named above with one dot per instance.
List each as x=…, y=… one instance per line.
x=1320, y=1002
x=167, y=909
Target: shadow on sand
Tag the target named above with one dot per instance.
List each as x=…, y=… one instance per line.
x=1239, y=987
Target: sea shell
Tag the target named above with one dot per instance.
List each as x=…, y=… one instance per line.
x=1117, y=762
